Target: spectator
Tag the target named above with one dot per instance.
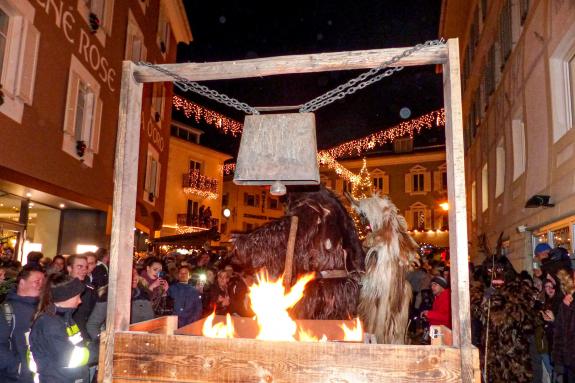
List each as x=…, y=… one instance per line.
x=92, y=260
x=58, y=350
x=157, y=287
x=219, y=296
x=78, y=268
x=57, y=266
x=100, y=273
x=238, y=291
x=141, y=308
x=563, y=352
x=16, y=315
x=440, y=313
x=187, y=302
x=34, y=257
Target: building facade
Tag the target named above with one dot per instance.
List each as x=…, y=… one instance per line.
x=60, y=63
x=518, y=84
x=194, y=183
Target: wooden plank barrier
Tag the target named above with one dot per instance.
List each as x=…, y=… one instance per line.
x=178, y=358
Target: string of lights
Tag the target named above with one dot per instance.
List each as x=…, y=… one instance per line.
x=199, y=185
x=219, y=121
x=403, y=129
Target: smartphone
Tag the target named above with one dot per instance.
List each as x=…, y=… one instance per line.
x=162, y=274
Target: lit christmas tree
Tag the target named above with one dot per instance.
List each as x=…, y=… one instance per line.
x=360, y=190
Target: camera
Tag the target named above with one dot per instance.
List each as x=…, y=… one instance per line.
x=162, y=274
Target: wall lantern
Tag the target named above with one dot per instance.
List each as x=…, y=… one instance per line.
x=278, y=150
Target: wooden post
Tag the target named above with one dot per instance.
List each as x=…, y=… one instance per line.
x=288, y=268
x=457, y=210
x=124, y=212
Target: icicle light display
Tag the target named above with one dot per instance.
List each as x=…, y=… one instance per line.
x=219, y=121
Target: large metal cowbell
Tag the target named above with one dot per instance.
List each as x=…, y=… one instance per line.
x=278, y=147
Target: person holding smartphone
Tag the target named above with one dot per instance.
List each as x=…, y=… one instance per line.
x=157, y=286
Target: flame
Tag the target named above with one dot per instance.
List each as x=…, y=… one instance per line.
x=270, y=302
x=354, y=334
x=220, y=330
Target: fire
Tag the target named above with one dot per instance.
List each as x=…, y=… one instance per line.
x=220, y=330
x=354, y=334
x=270, y=302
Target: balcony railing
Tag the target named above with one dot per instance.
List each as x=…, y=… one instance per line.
x=190, y=223
x=199, y=185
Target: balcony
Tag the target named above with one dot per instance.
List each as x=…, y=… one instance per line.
x=193, y=223
x=199, y=186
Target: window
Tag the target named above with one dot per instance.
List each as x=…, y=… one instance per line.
x=380, y=182
x=484, y=189
x=135, y=47
x=83, y=114
x=418, y=180
x=473, y=201
x=523, y=9
x=518, y=135
x=19, y=41
x=98, y=15
x=152, y=180
x=225, y=199
x=248, y=227
x=418, y=217
x=163, y=34
x=158, y=96
x=195, y=165
x=144, y=5
x=505, y=36
x=440, y=179
x=274, y=203
x=562, y=79
x=347, y=187
x=251, y=200
x=500, y=175
x=490, y=72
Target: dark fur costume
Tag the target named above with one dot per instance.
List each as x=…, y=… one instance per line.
x=511, y=321
x=326, y=240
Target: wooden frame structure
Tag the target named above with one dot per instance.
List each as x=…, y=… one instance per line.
x=137, y=356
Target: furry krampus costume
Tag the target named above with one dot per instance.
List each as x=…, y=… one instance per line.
x=504, y=306
x=385, y=292
x=326, y=242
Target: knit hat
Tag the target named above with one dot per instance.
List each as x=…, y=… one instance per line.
x=440, y=281
x=67, y=290
x=541, y=247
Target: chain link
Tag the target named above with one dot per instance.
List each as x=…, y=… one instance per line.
x=187, y=85
x=363, y=79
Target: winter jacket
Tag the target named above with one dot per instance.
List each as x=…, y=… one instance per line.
x=440, y=313
x=89, y=298
x=12, y=339
x=563, y=336
x=58, y=349
x=187, y=303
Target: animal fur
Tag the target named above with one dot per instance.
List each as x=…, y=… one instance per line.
x=386, y=293
x=326, y=240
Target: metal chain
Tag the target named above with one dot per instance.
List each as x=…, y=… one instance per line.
x=187, y=85
x=338, y=93
x=362, y=80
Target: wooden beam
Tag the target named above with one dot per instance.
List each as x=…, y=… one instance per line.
x=124, y=211
x=178, y=358
x=163, y=325
x=271, y=66
x=457, y=211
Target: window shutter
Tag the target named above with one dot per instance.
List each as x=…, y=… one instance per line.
x=386, y=184
x=71, y=100
x=28, y=59
x=143, y=52
x=158, y=179
x=148, y=174
x=427, y=182
x=409, y=218
x=87, y=124
x=437, y=181
x=408, y=180
x=427, y=219
x=95, y=141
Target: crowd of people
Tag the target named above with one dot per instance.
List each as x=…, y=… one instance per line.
x=52, y=312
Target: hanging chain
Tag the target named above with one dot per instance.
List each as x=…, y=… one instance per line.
x=363, y=81
x=350, y=87
x=187, y=85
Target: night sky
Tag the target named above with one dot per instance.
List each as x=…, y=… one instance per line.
x=236, y=30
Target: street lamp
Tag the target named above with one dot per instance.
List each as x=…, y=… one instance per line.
x=227, y=212
x=444, y=206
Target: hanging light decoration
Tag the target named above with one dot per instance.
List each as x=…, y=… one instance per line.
x=199, y=185
x=219, y=121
